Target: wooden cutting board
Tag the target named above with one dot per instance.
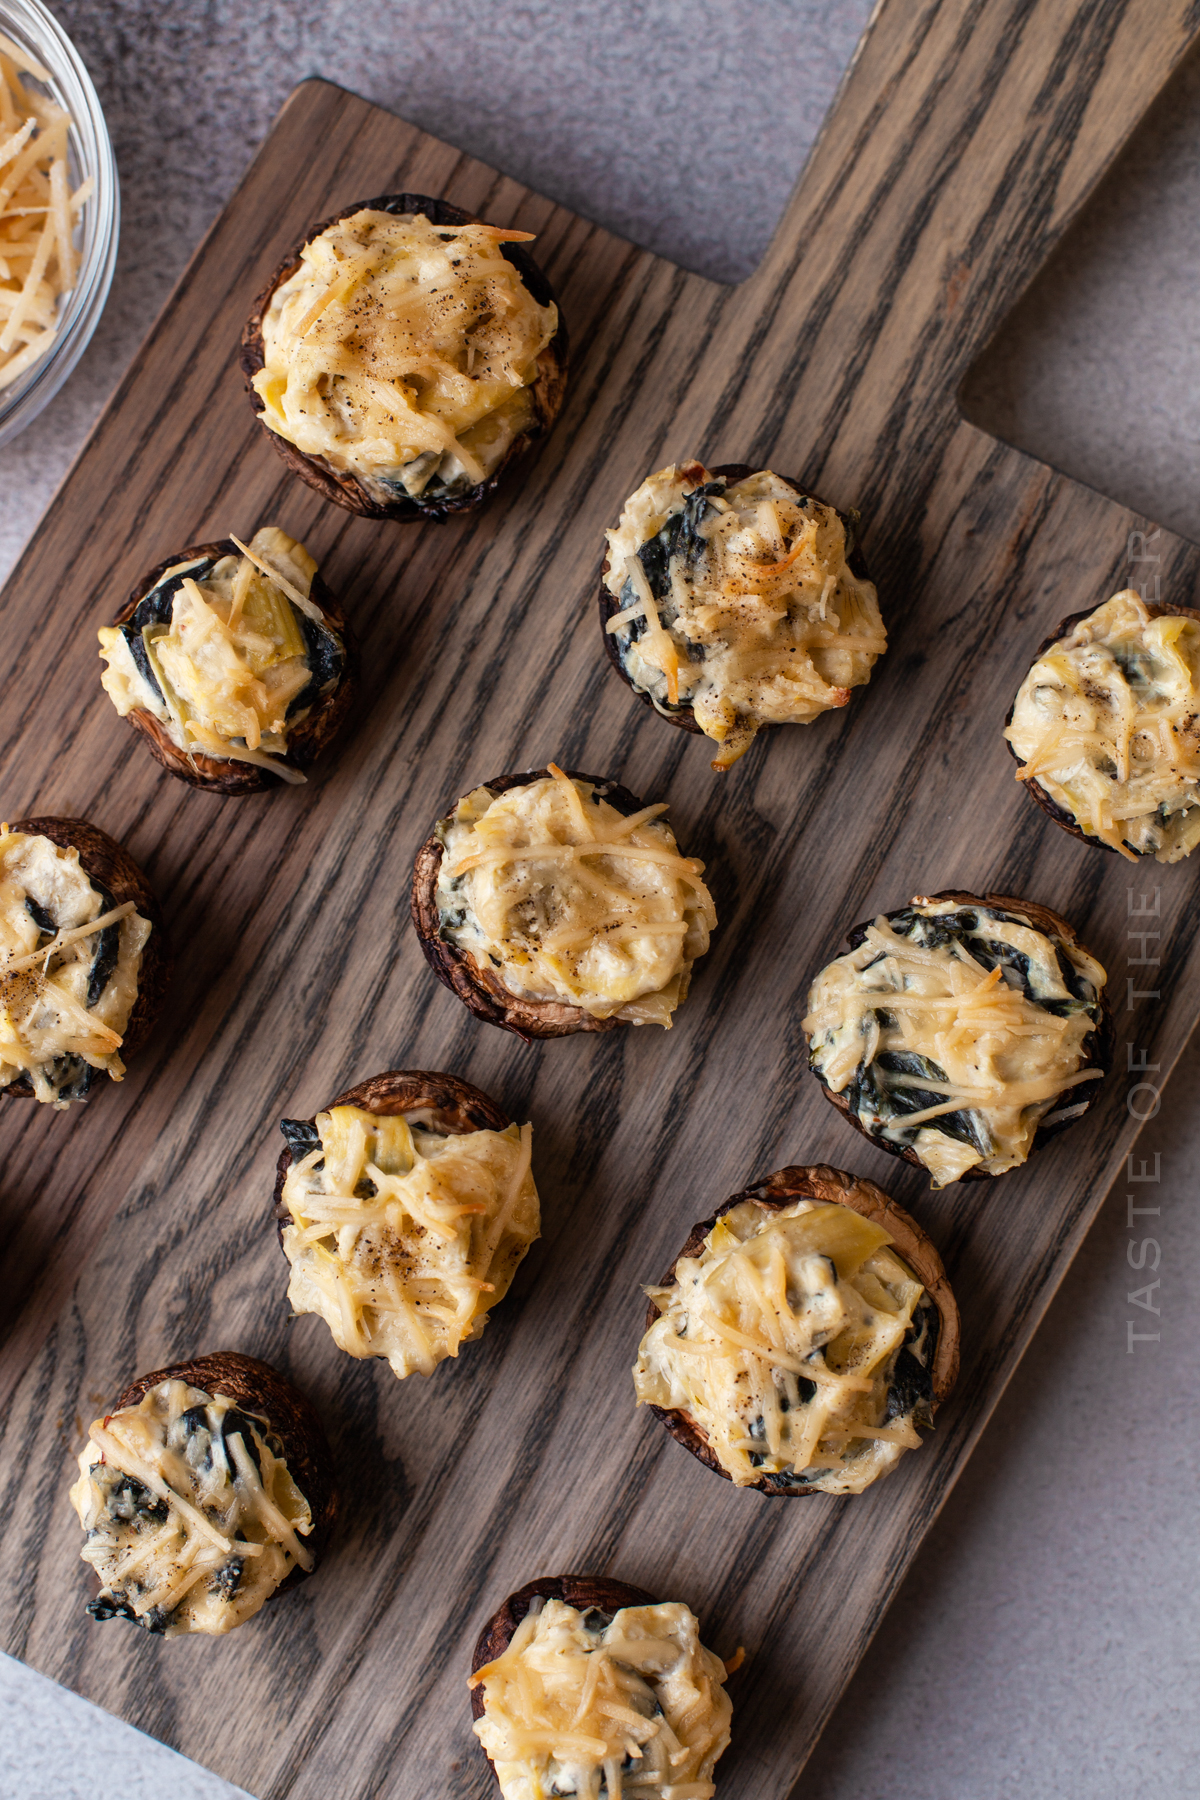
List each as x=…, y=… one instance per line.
x=138, y=1231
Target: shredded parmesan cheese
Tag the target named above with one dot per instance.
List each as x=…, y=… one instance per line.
x=798, y=1343
x=404, y=352
x=631, y=1707
x=402, y=1239
x=956, y=1029
x=1107, y=721
x=736, y=599
x=192, y=1516
x=568, y=899
x=230, y=656
x=38, y=214
x=69, y=962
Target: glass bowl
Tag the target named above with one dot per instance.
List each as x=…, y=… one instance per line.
x=28, y=24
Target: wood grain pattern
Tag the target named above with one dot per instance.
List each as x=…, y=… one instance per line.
x=140, y=1232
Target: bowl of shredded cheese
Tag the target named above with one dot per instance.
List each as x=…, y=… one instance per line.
x=59, y=211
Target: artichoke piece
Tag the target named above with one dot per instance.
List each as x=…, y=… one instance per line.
x=270, y=612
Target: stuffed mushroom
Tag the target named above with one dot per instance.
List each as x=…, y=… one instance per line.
x=801, y=1336
x=1106, y=728
x=404, y=355
x=585, y=1685
x=551, y=903
x=233, y=661
x=732, y=599
x=206, y=1490
x=404, y=1211
x=961, y=1032
x=85, y=959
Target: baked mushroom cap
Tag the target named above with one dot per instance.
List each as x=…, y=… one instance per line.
x=1033, y=786
x=827, y=1186
x=1097, y=1047
x=477, y=987
x=305, y=740
x=579, y=1591
x=342, y=486
x=111, y=867
x=259, y=1389
x=443, y=1103
x=610, y=604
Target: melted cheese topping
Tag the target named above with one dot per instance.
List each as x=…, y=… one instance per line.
x=69, y=961
x=193, y=1519
x=1108, y=723
x=781, y=1341
x=738, y=601
x=568, y=899
x=224, y=675
x=38, y=214
x=581, y=1704
x=402, y=1239
x=404, y=352
x=957, y=1030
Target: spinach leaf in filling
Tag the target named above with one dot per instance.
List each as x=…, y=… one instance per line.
x=155, y=608
x=325, y=654
x=679, y=537
x=302, y=1137
x=108, y=945
x=882, y=1107
x=910, y=1385
x=71, y=1077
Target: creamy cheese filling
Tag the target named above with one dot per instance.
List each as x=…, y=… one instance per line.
x=565, y=898
x=230, y=655
x=958, y=1030
x=584, y=1704
x=404, y=352
x=798, y=1342
x=402, y=1237
x=736, y=599
x=192, y=1516
x=1107, y=721
x=69, y=962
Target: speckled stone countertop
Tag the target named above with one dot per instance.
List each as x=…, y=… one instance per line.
x=1043, y=1644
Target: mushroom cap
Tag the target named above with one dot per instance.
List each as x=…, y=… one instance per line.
x=579, y=1591
x=820, y=1182
x=1097, y=1046
x=1033, y=787
x=450, y=1105
x=342, y=486
x=258, y=1388
x=109, y=863
x=480, y=989
x=306, y=740
x=610, y=604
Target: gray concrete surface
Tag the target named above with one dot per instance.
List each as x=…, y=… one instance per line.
x=55, y=1746
x=1043, y=1644
x=1097, y=369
